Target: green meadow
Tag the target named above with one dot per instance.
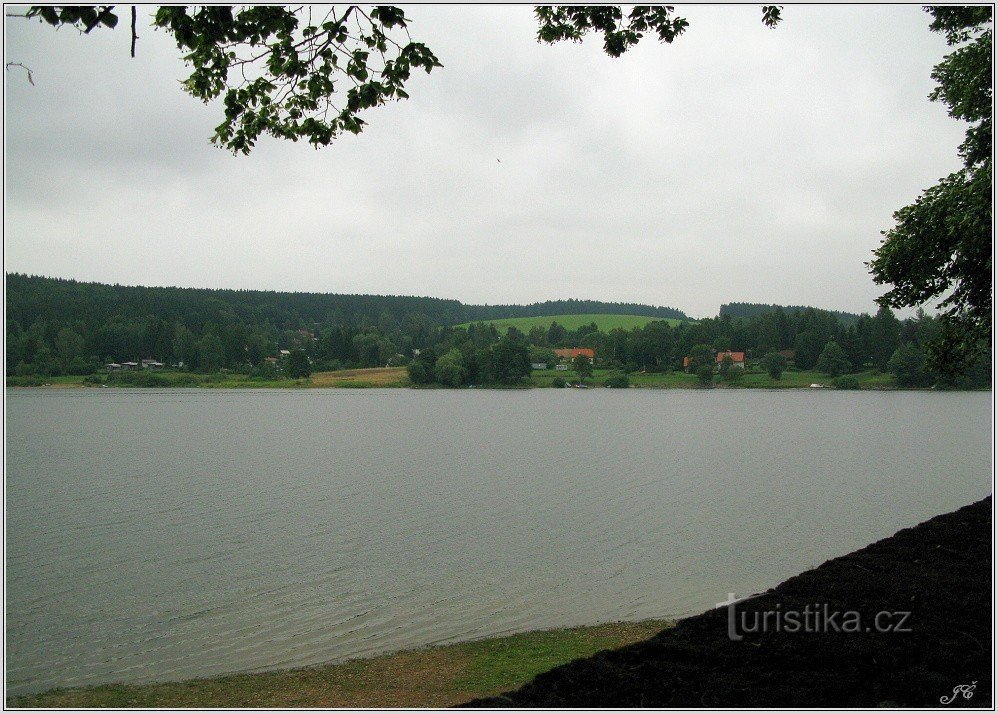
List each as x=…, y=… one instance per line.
x=574, y=322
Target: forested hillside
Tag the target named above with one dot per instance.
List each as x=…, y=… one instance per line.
x=752, y=309
x=65, y=327
x=569, y=307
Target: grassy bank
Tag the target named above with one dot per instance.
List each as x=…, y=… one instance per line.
x=869, y=379
x=434, y=677
x=375, y=377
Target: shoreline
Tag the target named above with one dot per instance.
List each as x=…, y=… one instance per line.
x=434, y=676
x=397, y=378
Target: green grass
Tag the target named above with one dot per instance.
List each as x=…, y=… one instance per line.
x=574, y=322
x=433, y=677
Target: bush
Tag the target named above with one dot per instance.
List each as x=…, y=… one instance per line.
x=774, y=364
x=705, y=375
x=264, y=370
x=617, y=381
x=846, y=382
x=558, y=382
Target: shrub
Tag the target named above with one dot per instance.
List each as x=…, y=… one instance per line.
x=775, y=364
x=617, y=381
x=846, y=382
x=558, y=382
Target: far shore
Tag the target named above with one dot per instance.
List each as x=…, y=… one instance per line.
x=396, y=377
x=431, y=677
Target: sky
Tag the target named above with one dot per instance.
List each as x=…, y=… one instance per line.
x=738, y=164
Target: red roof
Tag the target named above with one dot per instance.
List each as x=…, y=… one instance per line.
x=573, y=352
x=735, y=356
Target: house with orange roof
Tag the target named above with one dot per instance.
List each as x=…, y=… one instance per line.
x=737, y=358
x=572, y=352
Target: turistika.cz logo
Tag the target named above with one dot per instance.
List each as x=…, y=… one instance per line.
x=816, y=618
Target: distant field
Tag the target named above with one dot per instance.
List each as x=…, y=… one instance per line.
x=373, y=377
x=574, y=322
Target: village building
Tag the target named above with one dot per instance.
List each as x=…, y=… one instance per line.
x=151, y=364
x=571, y=353
x=538, y=365
x=737, y=358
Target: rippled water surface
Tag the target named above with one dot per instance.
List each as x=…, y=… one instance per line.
x=166, y=535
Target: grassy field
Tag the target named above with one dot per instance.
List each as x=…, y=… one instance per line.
x=374, y=377
x=574, y=322
x=434, y=677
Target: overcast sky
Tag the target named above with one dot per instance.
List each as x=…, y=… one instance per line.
x=737, y=164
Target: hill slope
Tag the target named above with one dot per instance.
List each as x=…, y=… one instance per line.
x=752, y=309
x=32, y=298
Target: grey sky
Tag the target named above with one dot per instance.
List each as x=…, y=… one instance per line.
x=738, y=164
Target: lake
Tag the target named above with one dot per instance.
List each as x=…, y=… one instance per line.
x=155, y=535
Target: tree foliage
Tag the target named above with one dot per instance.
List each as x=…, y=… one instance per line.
x=280, y=70
x=449, y=369
x=775, y=364
x=298, y=365
x=620, y=32
x=583, y=367
x=833, y=360
x=940, y=246
x=907, y=364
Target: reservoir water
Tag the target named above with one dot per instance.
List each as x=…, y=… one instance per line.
x=158, y=535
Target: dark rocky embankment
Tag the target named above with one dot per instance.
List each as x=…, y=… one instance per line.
x=938, y=571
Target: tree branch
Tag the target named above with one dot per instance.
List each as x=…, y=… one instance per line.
x=31, y=80
x=135, y=35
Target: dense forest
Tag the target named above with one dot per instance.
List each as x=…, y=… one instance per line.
x=67, y=327
x=751, y=309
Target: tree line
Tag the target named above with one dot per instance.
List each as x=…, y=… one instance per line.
x=56, y=326
x=66, y=327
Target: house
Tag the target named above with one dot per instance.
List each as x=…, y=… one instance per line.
x=686, y=362
x=271, y=360
x=538, y=365
x=151, y=364
x=129, y=365
x=561, y=367
x=112, y=366
x=285, y=353
x=737, y=358
x=572, y=352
